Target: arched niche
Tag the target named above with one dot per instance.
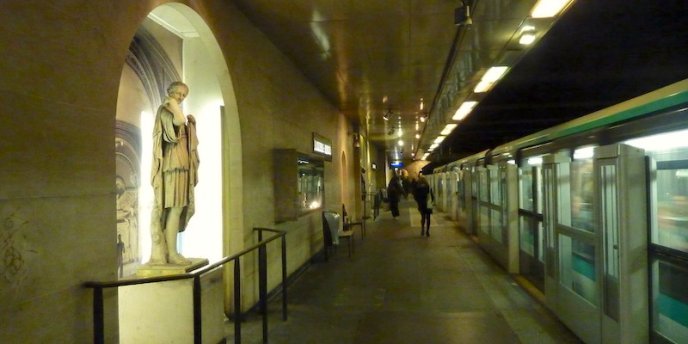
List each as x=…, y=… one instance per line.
x=174, y=43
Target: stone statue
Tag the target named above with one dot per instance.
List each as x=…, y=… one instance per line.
x=127, y=219
x=173, y=175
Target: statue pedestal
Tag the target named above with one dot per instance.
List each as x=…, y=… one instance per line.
x=162, y=312
x=153, y=270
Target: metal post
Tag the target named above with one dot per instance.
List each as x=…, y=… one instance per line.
x=237, y=302
x=263, y=288
x=198, y=328
x=98, y=321
x=284, y=277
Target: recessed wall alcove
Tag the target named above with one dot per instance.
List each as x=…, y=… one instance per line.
x=174, y=43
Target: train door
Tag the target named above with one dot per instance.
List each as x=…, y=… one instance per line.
x=598, y=238
x=474, y=202
x=483, y=197
x=439, y=194
x=470, y=200
x=462, y=201
x=668, y=246
x=453, y=197
x=550, y=167
x=531, y=236
x=621, y=217
x=458, y=195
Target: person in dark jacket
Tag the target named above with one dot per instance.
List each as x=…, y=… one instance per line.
x=394, y=193
x=423, y=195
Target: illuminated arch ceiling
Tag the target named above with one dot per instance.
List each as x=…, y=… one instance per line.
x=377, y=57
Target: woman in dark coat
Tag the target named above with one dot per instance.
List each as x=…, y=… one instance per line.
x=423, y=195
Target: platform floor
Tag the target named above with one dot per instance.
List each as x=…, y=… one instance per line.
x=400, y=287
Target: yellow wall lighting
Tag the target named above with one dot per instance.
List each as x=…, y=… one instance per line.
x=490, y=79
x=464, y=110
x=548, y=8
x=448, y=129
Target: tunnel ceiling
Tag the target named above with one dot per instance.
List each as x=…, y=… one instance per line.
x=381, y=56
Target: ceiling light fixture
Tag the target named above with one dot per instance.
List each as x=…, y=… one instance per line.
x=439, y=139
x=490, y=79
x=548, y=8
x=464, y=110
x=527, y=38
x=448, y=129
x=527, y=35
x=417, y=136
x=423, y=117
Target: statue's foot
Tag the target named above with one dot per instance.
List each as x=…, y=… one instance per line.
x=178, y=259
x=157, y=261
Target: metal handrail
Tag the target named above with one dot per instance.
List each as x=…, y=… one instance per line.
x=261, y=246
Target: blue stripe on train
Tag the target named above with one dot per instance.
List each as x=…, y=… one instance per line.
x=672, y=308
x=584, y=267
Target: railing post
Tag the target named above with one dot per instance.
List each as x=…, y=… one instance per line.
x=98, y=315
x=284, y=277
x=237, y=301
x=263, y=288
x=198, y=324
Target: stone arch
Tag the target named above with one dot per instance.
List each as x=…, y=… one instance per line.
x=149, y=63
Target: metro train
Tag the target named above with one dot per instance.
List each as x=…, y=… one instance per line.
x=593, y=213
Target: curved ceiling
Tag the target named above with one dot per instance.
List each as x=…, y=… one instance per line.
x=382, y=56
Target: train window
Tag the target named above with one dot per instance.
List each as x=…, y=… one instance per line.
x=527, y=200
x=530, y=185
x=670, y=196
x=670, y=301
x=575, y=195
x=493, y=174
x=577, y=267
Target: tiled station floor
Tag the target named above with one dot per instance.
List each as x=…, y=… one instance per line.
x=399, y=287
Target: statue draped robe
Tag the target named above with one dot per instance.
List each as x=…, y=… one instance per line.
x=174, y=170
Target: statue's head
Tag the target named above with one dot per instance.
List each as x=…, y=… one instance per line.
x=178, y=90
x=120, y=185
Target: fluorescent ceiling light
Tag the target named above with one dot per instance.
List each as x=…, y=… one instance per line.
x=495, y=73
x=448, y=129
x=548, y=8
x=464, y=110
x=400, y=143
x=439, y=139
x=490, y=78
x=527, y=38
x=425, y=156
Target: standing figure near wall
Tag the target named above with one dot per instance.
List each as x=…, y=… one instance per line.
x=173, y=175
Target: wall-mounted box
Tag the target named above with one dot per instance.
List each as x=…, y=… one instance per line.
x=299, y=184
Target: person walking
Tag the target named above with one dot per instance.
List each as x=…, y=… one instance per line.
x=425, y=198
x=394, y=193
